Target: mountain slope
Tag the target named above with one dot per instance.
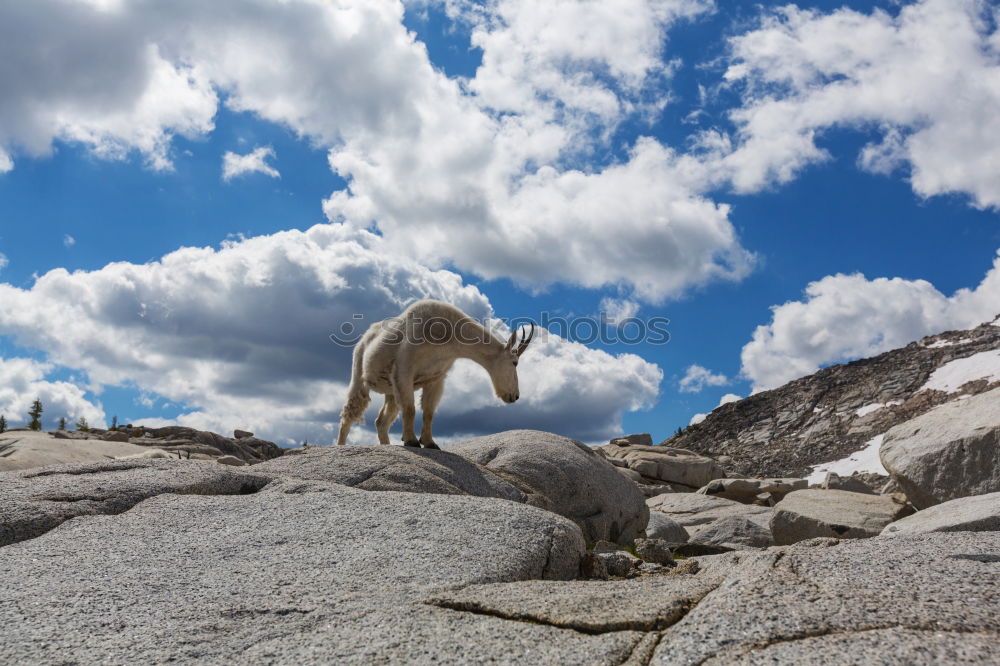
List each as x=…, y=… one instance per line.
x=841, y=409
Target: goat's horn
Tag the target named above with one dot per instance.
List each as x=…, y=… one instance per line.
x=525, y=340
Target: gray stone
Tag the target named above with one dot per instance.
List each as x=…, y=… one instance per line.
x=240, y=434
x=302, y=572
x=114, y=436
x=667, y=529
x=736, y=532
x=618, y=563
x=979, y=513
x=669, y=465
x=655, y=551
x=793, y=603
x=951, y=451
x=885, y=647
x=566, y=477
x=747, y=491
x=696, y=513
x=834, y=481
x=640, y=439
x=224, y=460
x=393, y=468
x=38, y=500
x=641, y=604
x=806, y=514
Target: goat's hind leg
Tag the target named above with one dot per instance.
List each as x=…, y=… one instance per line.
x=402, y=386
x=386, y=417
x=429, y=399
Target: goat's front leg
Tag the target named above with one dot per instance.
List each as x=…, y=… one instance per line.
x=403, y=388
x=429, y=399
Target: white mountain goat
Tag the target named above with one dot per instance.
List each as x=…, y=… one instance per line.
x=415, y=351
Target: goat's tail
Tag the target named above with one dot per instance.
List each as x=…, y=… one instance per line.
x=357, y=397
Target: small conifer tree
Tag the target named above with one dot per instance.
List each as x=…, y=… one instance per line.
x=82, y=425
x=35, y=413
x=62, y=422
x=114, y=422
x=3, y=423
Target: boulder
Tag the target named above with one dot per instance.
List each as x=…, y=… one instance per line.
x=662, y=527
x=563, y=476
x=655, y=551
x=736, y=533
x=916, y=599
x=667, y=465
x=241, y=434
x=806, y=514
x=642, y=439
x=696, y=513
x=301, y=572
x=393, y=468
x=230, y=460
x=748, y=491
x=114, y=436
x=949, y=452
x=834, y=481
x=979, y=513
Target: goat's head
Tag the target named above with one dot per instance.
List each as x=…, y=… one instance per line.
x=504, y=369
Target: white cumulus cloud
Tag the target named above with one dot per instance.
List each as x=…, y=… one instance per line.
x=697, y=378
x=926, y=80
x=255, y=161
x=22, y=380
x=68, y=241
x=844, y=317
x=504, y=174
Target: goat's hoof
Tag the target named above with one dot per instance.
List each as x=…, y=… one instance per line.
x=413, y=443
x=430, y=445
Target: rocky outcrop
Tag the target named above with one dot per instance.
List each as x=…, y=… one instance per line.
x=394, y=468
x=837, y=411
x=697, y=513
x=299, y=571
x=765, y=492
x=677, y=469
x=869, y=601
x=808, y=514
x=563, y=476
x=200, y=444
x=980, y=513
x=38, y=500
x=951, y=451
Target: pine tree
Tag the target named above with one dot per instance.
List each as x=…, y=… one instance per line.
x=62, y=422
x=82, y=425
x=679, y=431
x=114, y=422
x=35, y=413
x=3, y=423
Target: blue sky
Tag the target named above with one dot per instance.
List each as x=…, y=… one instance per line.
x=789, y=186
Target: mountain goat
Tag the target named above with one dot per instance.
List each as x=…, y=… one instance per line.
x=415, y=351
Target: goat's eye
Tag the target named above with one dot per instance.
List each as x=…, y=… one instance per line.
x=515, y=364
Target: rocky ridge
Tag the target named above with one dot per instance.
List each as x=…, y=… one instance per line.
x=828, y=415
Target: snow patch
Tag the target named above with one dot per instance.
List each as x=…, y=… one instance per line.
x=953, y=375
x=875, y=406
x=949, y=343
x=865, y=460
